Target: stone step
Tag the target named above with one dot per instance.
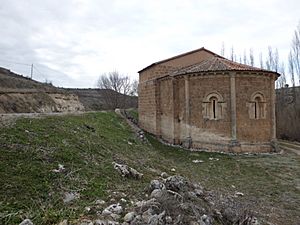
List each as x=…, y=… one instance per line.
x=292, y=145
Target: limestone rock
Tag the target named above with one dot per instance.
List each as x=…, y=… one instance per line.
x=176, y=183
x=156, y=184
x=64, y=222
x=26, y=222
x=156, y=193
x=129, y=217
x=86, y=222
x=205, y=220
x=114, y=208
x=70, y=196
x=164, y=175
x=127, y=171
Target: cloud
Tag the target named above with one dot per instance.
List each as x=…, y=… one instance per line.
x=74, y=41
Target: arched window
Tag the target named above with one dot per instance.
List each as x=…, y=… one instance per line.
x=213, y=106
x=257, y=106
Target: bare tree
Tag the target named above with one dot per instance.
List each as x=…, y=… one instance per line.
x=245, y=57
x=223, y=49
x=295, y=52
x=134, y=88
x=261, y=62
x=281, y=82
x=232, y=54
x=272, y=61
x=291, y=68
x=251, y=57
x=117, y=87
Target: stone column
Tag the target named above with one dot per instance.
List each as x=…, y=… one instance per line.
x=233, y=106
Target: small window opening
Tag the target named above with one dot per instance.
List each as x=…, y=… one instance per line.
x=256, y=108
x=214, y=109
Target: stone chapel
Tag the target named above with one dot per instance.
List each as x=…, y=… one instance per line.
x=202, y=100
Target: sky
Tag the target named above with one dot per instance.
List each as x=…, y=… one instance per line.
x=72, y=42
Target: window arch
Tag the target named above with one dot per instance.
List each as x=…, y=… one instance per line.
x=213, y=106
x=257, y=106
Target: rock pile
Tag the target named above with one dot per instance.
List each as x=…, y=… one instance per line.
x=175, y=200
x=171, y=201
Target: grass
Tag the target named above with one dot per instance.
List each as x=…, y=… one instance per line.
x=87, y=145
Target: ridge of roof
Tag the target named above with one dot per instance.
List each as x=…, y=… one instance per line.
x=180, y=55
x=214, y=64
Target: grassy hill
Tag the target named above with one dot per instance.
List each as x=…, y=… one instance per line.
x=87, y=144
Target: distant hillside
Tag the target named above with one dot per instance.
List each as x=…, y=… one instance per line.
x=95, y=99
x=11, y=82
x=19, y=94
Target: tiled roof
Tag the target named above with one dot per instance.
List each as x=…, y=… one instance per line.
x=215, y=64
x=178, y=56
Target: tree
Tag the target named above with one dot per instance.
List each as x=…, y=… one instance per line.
x=116, y=87
x=134, y=88
x=232, y=55
x=291, y=68
x=251, y=57
x=272, y=61
x=281, y=82
x=223, y=49
x=295, y=52
x=245, y=57
x=261, y=61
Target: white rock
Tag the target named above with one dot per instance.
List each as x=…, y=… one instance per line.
x=197, y=161
x=156, y=193
x=60, y=169
x=64, y=222
x=70, y=196
x=238, y=194
x=100, y=222
x=86, y=222
x=115, y=216
x=123, y=200
x=156, y=184
x=129, y=217
x=164, y=175
x=114, y=208
x=99, y=202
x=173, y=170
x=109, y=222
x=26, y=222
x=169, y=219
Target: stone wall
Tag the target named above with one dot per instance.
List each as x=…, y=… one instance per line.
x=206, y=130
x=147, y=106
x=253, y=130
x=288, y=113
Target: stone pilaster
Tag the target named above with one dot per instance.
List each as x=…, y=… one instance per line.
x=158, y=108
x=187, y=143
x=272, y=103
x=233, y=106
